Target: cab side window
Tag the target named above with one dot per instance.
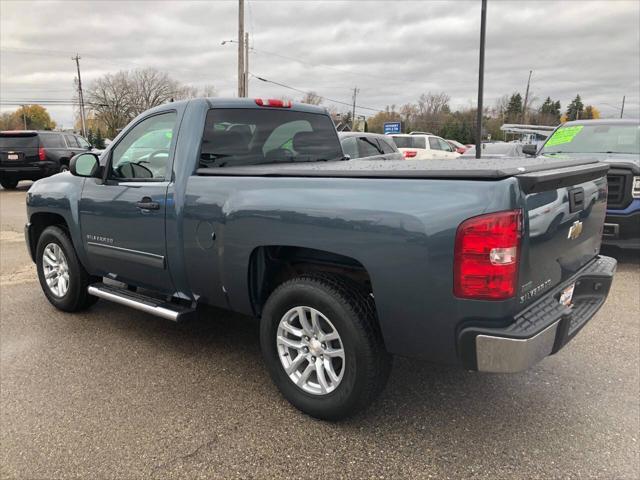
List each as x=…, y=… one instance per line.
x=444, y=145
x=349, y=147
x=143, y=153
x=83, y=143
x=368, y=147
x=71, y=141
x=434, y=144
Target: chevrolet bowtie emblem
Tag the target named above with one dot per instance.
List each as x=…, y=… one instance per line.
x=575, y=230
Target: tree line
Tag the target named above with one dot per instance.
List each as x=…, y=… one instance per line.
x=432, y=113
x=114, y=99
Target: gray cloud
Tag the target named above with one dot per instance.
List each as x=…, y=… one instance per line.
x=392, y=51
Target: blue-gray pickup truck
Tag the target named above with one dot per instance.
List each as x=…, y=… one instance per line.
x=252, y=206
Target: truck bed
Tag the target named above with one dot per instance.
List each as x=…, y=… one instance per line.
x=462, y=168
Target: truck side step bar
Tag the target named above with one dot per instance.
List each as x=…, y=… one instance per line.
x=144, y=303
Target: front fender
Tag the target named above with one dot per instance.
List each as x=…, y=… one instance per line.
x=59, y=195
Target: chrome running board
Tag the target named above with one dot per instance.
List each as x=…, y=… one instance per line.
x=144, y=303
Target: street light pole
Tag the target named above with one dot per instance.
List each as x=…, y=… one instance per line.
x=241, y=79
x=246, y=64
x=483, y=31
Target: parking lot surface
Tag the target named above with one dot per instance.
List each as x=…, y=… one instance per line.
x=115, y=393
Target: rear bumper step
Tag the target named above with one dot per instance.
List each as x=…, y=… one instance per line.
x=542, y=329
x=151, y=305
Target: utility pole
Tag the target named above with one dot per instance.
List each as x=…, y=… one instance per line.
x=483, y=32
x=241, y=80
x=353, y=112
x=24, y=116
x=246, y=64
x=622, y=109
x=80, y=97
x=526, y=99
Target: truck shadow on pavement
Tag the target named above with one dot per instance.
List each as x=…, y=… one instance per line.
x=223, y=347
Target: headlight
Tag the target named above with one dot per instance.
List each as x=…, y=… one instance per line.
x=635, y=190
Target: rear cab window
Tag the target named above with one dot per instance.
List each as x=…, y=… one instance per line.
x=240, y=136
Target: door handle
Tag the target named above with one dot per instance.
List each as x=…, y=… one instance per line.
x=147, y=203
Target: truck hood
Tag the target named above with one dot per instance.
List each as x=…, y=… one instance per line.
x=625, y=160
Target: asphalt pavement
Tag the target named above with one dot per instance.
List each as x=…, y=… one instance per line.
x=115, y=393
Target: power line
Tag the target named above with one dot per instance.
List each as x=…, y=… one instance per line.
x=341, y=102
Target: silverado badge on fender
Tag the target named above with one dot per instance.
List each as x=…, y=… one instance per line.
x=575, y=230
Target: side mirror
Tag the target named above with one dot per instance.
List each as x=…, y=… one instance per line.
x=530, y=150
x=85, y=165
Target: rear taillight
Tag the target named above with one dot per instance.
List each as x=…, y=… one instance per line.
x=42, y=154
x=273, y=102
x=409, y=153
x=486, y=256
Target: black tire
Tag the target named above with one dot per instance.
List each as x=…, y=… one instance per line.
x=352, y=312
x=64, y=165
x=9, y=183
x=76, y=297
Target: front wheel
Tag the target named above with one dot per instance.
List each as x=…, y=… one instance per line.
x=322, y=346
x=63, y=279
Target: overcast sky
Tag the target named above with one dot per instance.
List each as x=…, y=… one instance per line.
x=392, y=50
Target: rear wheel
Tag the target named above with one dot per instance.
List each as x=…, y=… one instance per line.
x=322, y=346
x=63, y=279
x=9, y=183
x=64, y=165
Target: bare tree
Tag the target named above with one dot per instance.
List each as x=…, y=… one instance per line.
x=208, y=90
x=150, y=88
x=312, y=98
x=117, y=98
x=111, y=98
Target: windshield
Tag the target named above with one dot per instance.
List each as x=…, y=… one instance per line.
x=623, y=138
x=238, y=137
x=410, y=142
x=9, y=141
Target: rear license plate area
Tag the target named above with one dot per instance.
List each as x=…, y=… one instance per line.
x=566, y=296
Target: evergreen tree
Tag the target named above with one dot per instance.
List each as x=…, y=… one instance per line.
x=514, y=109
x=550, y=112
x=90, y=138
x=99, y=140
x=575, y=110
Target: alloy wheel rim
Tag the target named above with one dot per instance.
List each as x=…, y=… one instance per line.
x=55, y=269
x=310, y=350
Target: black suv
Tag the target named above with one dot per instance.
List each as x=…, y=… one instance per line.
x=30, y=155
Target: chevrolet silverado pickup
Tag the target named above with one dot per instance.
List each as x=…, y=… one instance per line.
x=252, y=206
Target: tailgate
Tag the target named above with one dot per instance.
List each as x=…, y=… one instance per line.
x=564, y=212
x=18, y=148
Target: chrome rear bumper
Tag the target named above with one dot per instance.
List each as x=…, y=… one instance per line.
x=542, y=328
